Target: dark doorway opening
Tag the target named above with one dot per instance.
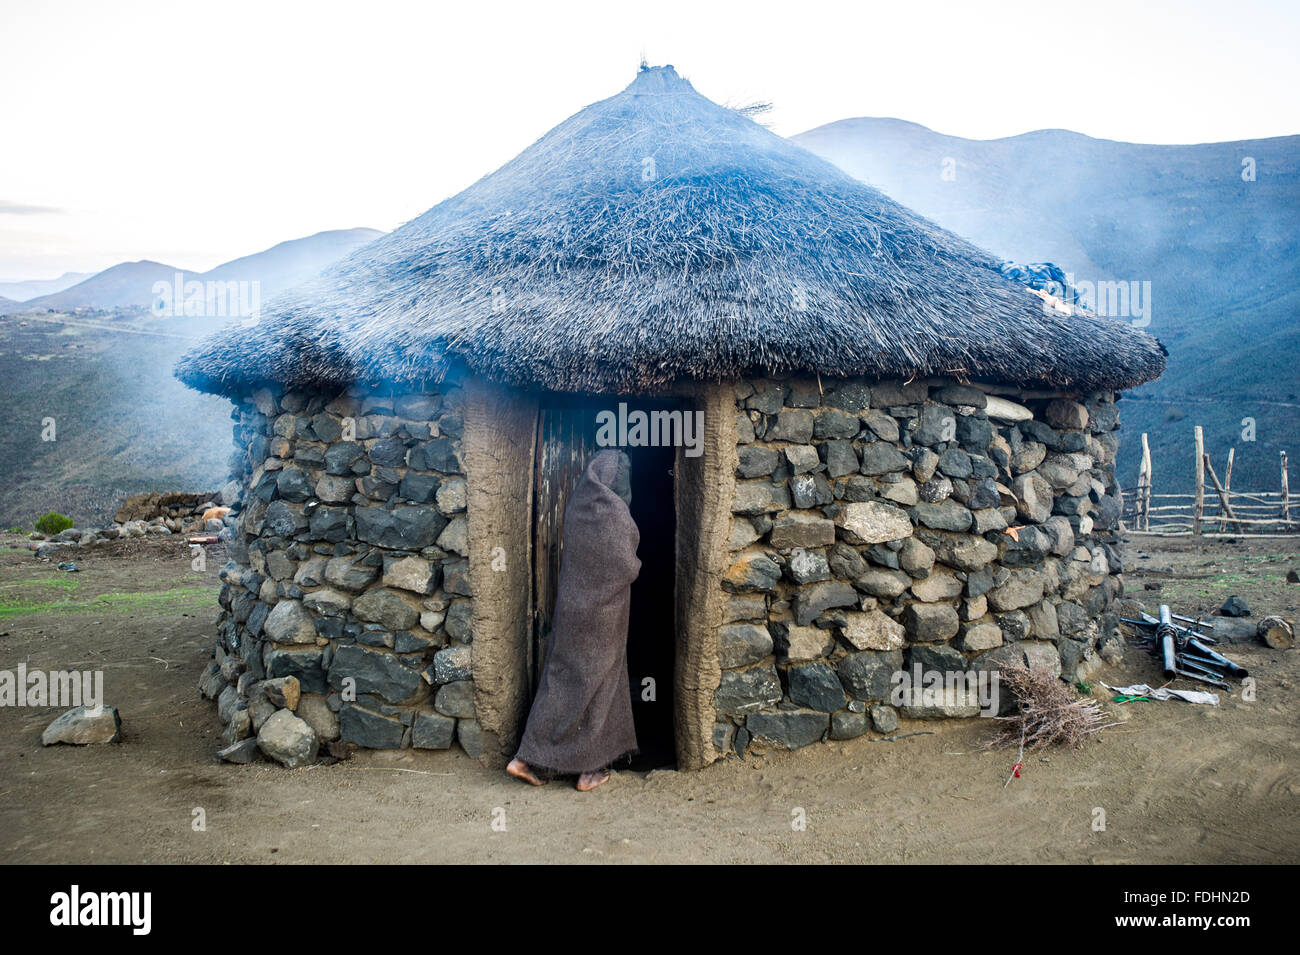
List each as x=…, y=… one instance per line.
x=567, y=439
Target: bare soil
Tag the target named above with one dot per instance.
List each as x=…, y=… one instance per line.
x=1177, y=783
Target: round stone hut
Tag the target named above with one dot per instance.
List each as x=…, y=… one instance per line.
x=858, y=449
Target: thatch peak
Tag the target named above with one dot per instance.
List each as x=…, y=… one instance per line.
x=653, y=236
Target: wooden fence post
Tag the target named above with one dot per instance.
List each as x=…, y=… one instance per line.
x=1223, y=497
x=1227, y=487
x=1144, y=487
x=1198, y=506
x=1286, y=491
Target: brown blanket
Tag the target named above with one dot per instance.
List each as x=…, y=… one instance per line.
x=581, y=718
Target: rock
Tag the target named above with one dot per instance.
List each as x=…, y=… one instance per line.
x=963, y=551
x=303, y=662
x=386, y=608
x=1038, y=653
x=471, y=737
x=884, y=426
x=801, y=643
x=884, y=718
x=288, y=740
x=348, y=573
x=452, y=664
x=961, y=395
x=760, y=497
x=456, y=699
x=1033, y=497
x=433, y=731
x=315, y=712
x=757, y=462
x=83, y=725
x=408, y=527
x=369, y=729
x=873, y=522
x=882, y=458
x=788, y=728
x=243, y=751
x=1066, y=415
x=377, y=672
x=847, y=724
x=946, y=516
x=289, y=622
x=793, y=426
x=1021, y=589
x=868, y=674
x=945, y=702
x=816, y=686
x=752, y=572
x=930, y=622
x=802, y=530
x=284, y=692
x=831, y=423
x=981, y=636
x=743, y=644
x=924, y=462
x=1004, y=410
x=936, y=425
x=916, y=558
x=873, y=630
x=1027, y=457
x=903, y=491
x=882, y=582
x=412, y=573
x=744, y=691
x=327, y=602
x=839, y=458
x=1234, y=607
x=811, y=600
x=940, y=584
x=807, y=566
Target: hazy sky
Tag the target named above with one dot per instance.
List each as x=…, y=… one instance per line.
x=192, y=133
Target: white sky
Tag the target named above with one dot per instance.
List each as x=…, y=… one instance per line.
x=192, y=133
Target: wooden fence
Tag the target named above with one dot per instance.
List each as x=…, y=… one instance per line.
x=1214, y=508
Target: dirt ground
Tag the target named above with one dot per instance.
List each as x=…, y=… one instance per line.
x=1176, y=782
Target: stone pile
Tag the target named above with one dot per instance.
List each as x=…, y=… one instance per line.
x=878, y=527
x=348, y=575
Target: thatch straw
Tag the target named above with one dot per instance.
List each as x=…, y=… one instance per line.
x=654, y=236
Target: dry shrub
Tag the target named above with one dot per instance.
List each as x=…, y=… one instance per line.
x=1051, y=713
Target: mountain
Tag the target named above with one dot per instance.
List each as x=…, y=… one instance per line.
x=293, y=262
x=8, y=305
x=124, y=424
x=125, y=285
x=131, y=284
x=24, y=291
x=1211, y=227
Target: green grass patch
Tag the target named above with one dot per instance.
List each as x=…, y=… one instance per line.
x=175, y=600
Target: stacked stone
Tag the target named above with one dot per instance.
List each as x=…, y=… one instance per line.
x=881, y=526
x=348, y=569
x=177, y=510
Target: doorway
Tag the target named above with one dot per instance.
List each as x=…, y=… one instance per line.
x=566, y=441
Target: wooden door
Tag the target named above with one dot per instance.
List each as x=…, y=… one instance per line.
x=566, y=441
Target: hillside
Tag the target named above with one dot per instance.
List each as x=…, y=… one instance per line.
x=28, y=290
x=125, y=285
x=293, y=262
x=1222, y=255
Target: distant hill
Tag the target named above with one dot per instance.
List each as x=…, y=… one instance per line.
x=125, y=285
x=294, y=262
x=24, y=291
x=8, y=305
x=124, y=424
x=1222, y=255
x=130, y=284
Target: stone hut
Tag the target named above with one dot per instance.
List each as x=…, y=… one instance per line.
x=857, y=448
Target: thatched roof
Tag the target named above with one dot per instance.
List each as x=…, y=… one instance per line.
x=656, y=235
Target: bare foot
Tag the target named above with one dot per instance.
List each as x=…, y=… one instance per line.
x=589, y=781
x=521, y=770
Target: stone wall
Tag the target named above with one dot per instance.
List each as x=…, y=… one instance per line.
x=348, y=574
x=879, y=526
